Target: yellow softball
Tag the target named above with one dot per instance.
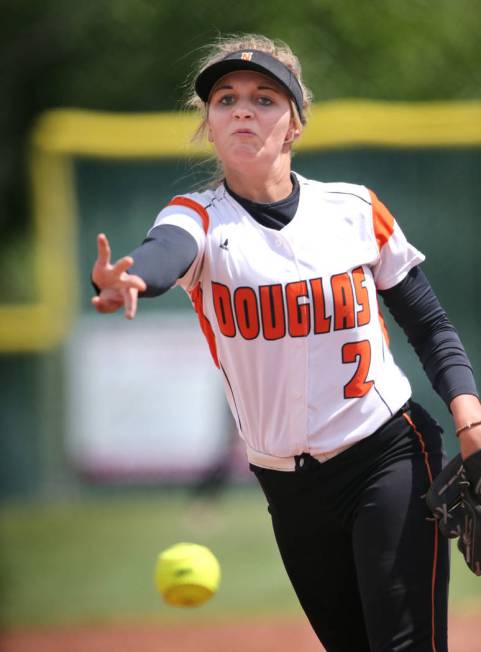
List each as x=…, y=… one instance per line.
x=187, y=574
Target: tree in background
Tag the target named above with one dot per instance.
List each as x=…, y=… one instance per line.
x=133, y=55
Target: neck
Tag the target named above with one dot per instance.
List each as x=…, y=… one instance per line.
x=266, y=188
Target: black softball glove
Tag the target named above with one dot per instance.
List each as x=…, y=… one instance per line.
x=455, y=501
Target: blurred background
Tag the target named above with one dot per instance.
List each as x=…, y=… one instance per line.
x=115, y=436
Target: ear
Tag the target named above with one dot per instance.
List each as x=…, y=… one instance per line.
x=293, y=134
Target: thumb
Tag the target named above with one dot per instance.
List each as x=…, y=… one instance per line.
x=130, y=302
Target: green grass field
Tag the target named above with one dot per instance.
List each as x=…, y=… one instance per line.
x=92, y=561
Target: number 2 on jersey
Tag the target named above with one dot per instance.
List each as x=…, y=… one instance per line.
x=359, y=352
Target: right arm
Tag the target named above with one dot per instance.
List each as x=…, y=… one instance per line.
x=154, y=267
x=163, y=257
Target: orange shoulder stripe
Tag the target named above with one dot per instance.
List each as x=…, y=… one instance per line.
x=193, y=205
x=383, y=221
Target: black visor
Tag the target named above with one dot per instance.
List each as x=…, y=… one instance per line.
x=250, y=60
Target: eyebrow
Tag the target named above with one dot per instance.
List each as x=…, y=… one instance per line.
x=259, y=88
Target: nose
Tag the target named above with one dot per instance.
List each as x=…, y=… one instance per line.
x=242, y=112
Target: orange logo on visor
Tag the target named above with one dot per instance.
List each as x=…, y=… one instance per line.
x=246, y=56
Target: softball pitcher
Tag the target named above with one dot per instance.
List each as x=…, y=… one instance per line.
x=284, y=273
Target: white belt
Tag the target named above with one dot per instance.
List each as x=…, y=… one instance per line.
x=287, y=463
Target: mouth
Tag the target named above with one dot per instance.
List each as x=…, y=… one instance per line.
x=243, y=132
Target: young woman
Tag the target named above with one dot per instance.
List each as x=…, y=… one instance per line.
x=284, y=274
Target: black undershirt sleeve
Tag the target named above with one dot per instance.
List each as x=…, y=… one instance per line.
x=163, y=257
x=417, y=310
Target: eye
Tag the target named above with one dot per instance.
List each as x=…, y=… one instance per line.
x=227, y=100
x=265, y=101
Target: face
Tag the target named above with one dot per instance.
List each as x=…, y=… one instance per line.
x=249, y=118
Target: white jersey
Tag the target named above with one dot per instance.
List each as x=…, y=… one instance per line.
x=292, y=316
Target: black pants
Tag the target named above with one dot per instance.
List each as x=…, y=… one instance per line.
x=370, y=572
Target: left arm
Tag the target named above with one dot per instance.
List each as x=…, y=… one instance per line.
x=415, y=307
x=466, y=409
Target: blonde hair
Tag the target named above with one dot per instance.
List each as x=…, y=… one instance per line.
x=225, y=45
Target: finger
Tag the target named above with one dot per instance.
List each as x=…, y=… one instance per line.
x=126, y=281
x=103, y=248
x=130, y=302
x=105, y=306
x=99, y=305
x=134, y=281
x=122, y=265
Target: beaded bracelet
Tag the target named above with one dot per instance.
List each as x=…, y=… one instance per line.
x=468, y=426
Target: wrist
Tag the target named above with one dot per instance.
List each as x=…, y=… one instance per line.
x=470, y=441
x=469, y=425
x=466, y=410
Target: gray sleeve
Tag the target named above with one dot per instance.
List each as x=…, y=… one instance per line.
x=417, y=310
x=163, y=257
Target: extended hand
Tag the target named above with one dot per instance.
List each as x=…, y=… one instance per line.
x=117, y=287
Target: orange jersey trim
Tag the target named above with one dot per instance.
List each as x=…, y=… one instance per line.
x=436, y=531
x=196, y=295
x=193, y=205
x=383, y=221
x=197, y=299
x=384, y=328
